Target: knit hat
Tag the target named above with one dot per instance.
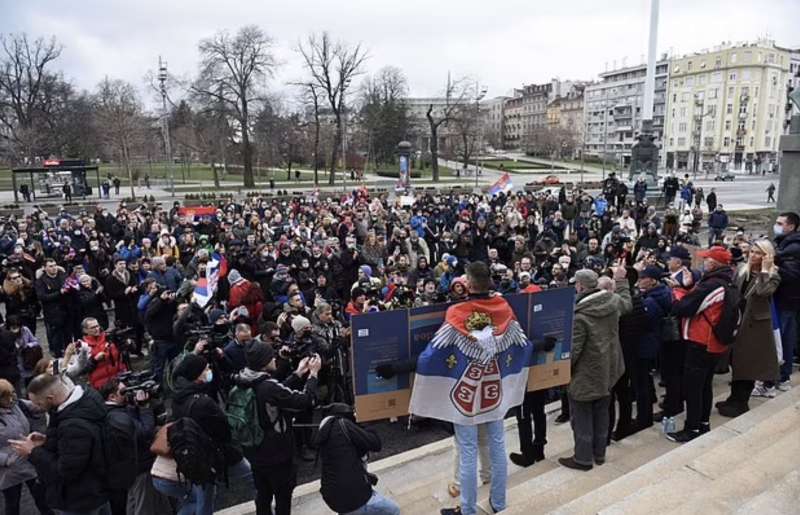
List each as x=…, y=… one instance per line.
x=651, y=272
x=258, y=354
x=452, y=261
x=234, y=277
x=367, y=270
x=214, y=315
x=586, y=278
x=299, y=323
x=190, y=367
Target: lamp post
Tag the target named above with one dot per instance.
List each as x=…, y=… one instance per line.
x=479, y=94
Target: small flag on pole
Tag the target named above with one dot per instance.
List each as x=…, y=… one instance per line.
x=206, y=287
x=503, y=184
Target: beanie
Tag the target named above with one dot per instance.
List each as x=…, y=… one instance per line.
x=258, y=354
x=299, y=323
x=234, y=277
x=190, y=367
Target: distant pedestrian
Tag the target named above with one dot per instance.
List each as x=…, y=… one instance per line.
x=771, y=192
x=106, y=186
x=117, y=182
x=67, y=189
x=711, y=200
x=26, y=192
x=147, y=181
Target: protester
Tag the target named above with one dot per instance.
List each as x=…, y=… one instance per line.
x=596, y=364
x=701, y=309
x=753, y=355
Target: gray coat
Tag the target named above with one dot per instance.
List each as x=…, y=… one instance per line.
x=753, y=356
x=597, y=361
x=13, y=470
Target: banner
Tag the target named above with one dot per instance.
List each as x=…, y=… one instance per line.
x=192, y=212
x=400, y=336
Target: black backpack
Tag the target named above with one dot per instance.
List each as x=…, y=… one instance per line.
x=199, y=459
x=731, y=317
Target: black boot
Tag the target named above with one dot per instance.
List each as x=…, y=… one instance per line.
x=733, y=410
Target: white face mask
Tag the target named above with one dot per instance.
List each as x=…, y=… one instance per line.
x=209, y=376
x=777, y=229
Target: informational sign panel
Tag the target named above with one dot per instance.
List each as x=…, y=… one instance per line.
x=399, y=336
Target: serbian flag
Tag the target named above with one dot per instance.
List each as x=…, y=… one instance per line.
x=503, y=184
x=197, y=212
x=776, y=331
x=206, y=287
x=476, y=366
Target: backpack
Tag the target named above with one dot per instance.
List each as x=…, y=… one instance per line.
x=243, y=417
x=731, y=317
x=198, y=458
x=121, y=452
x=167, y=379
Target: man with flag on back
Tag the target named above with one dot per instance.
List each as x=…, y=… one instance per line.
x=472, y=372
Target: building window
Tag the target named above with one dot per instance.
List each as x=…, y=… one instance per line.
x=767, y=141
x=732, y=77
x=733, y=58
x=718, y=62
x=682, y=127
x=726, y=142
x=681, y=142
x=727, y=125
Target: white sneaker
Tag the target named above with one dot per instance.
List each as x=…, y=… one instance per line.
x=763, y=391
x=785, y=386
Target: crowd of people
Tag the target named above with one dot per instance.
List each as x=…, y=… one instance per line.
x=239, y=378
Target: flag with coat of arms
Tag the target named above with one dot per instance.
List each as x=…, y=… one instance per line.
x=502, y=185
x=475, y=368
x=206, y=287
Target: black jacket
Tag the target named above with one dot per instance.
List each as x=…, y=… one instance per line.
x=71, y=464
x=140, y=425
x=158, y=319
x=345, y=486
x=48, y=291
x=9, y=369
x=787, y=257
x=280, y=401
x=191, y=400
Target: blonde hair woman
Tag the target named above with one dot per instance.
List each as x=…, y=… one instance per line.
x=753, y=355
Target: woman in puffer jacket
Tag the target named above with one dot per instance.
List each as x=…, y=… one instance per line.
x=14, y=470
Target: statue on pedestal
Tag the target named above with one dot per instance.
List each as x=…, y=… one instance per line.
x=644, y=158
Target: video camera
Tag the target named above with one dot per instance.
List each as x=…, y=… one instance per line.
x=217, y=336
x=139, y=381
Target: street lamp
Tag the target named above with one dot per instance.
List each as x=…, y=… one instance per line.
x=479, y=94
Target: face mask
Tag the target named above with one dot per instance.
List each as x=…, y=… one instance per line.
x=209, y=375
x=777, y=229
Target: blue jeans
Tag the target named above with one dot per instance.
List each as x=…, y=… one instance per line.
x=102, y=510
x=789, y=318
x=467, y=441
x=192, y=499
x=162, y=352
x=377, y=505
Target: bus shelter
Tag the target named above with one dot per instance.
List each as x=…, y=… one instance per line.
x=48, y=180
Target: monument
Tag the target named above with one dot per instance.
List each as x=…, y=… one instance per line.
x=789, y=192
x=644, y=154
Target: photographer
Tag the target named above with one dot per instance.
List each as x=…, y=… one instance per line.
x=105, y=355
x=236, y=348
x=346, y=486
x=272, y=461
x=158, y=320
x=121, y=288
x=130, y=425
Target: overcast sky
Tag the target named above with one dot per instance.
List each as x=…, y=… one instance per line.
x=501, y=43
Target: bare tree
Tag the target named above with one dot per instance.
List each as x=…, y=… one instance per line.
x=466, y=124
x=332, y=66
x=120, y=120
x=232, y=71
x=384, y=113
x=455, y=95
x=27, y=90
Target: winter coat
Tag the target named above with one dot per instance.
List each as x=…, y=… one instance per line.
x=14, y=424
x=787, y=257
x=718, y=220
x=204, y=410
x=125, y=312
x=597, y=361
x=70, y=463
x=277, y=402
x=344, y=484
x=701, y=309
x=108, y=367
x=753, y=356
x=91, y=305
x=158, y=318
x=657, y=305
x=48, y=291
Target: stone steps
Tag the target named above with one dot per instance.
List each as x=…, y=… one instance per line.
x=782, y=498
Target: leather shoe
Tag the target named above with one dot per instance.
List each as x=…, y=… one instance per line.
x=572, y=464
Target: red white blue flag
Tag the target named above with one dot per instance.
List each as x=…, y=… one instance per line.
x=206, y=287
x=503, y=184
x=476, y=366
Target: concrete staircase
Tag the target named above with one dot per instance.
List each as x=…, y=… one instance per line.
x=750, y=464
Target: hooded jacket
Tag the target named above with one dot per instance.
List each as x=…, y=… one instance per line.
x=277, y=403
x=701, y=309
x=70, y=463
x=597, y=361
x=192, y=400
x=343, y=444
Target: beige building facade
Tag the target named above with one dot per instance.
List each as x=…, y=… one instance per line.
x=725, y=108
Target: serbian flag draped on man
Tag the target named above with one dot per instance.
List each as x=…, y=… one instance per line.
x=476, y=366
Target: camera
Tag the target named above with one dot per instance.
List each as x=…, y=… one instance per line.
x=139, y=381
x=217, y=336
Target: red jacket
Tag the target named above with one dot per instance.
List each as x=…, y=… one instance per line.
x=108, y=367
x=244, y=293
x=701, y=308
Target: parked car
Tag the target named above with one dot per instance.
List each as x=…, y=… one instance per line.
x=725, y=176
